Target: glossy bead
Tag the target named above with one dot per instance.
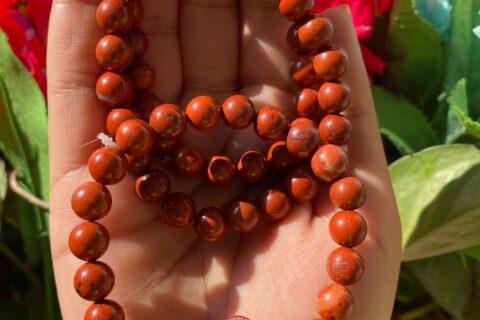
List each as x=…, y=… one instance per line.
x=302, y=122
x=210, y=224
x=138, y=41
x=188, y=160
x=302, y=71
x=104, y=310
x=107, y=165
x=330, y=64
x=252, y=167
x=243, y=215
x=203, y=113
x=271, y=124
x=335, y=129
x=335, y=302
x=279, y=158
x=145, y=102
x=238, y=112
x=113, y=16
x=118, y=116
x=295, y=10
x=345, y=266
x=301, y=185
x=275, y=204
x=94, y=280
x=306, y=102
x=134, y=137
x=220, y=170
x=142, y=76
x=178, y=210
x=113, y=53
x=164, y=146
x=302, y=140
x=334, y=97
x=348, y=193
x=114, y=90
x=135, y=10
x=330, y=162
x=348, y=228
x=153, y=186
x=168, y=121
x=91, y=201
x=137, y=165
x=310, y=34
x=88, y=241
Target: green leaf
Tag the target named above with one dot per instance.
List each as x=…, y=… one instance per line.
x=416, y=55
x=439, y=199
x=402, y=123
x=3, y=188
x=473, y=252
x=471, y=127
x=447, y=279
x=409, y=288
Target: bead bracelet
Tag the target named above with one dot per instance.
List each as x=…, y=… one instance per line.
x=306, y=151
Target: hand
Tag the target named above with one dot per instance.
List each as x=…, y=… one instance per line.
x=215, y=47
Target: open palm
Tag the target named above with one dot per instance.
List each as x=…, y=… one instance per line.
x=217, y=48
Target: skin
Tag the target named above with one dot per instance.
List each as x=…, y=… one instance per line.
x=197, y=47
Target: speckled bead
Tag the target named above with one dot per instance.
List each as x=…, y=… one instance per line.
x=168, y=121
x=114, y=90
x=302, y=71
x=135, y=10
x=220, y=170
x=348, y=193
x=142, y=75
x=203, y=112
x=279, y=158
x=164, y=146
x=91, y=201
x=335, y=302
x=94, y=280
x=153, y=186
x=145, y=102
x=252, y=167
x=88, y=241
x=334, y=97
x=107, y=165
x=210, y=224
x=243, y=215
x=306, y=102
x=135, y=137
x=345, y=266
x=335, y=129
x=178, y=210
x=238, y=112
x=113, y=53
x=301, y=185
x=275, y=204
x=348, y=228
x=295, y=10
x=302, y=139
x=330, y=64
x=118, y=116
x=137, y=165
x=104, y=310
x=271, y=124
x=310, y=34
x=138, y=41
x=188, y=160
x=114, y=16
x=329, y=162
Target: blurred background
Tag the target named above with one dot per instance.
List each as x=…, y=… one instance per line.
x=423, y=57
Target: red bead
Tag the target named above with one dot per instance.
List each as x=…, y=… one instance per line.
x=310, y=34
x=302, y=139
x=153, y=186
x=301, y=185
x=203, y=112
x=104, y=310
x=302, y=122
x=238, y=112
x=335, y=302
x=188, y=160
x=118, y=116
x=168, y=121
x=114, y=90
x=306, y=102
x=137, y=165
x=91, y=201
x=348, y=228
x=271, y=124
x=348, y=193
x=243, y=215
x=330, y=64
x=107, y=165
x=164, y=146
x=94, y=281
x=113, y=53
x=302, y=71
x=138, y=41
x=145, y=102
x=279, y=158
x=334, y=97
x=330, y=162
x=178, y=210
x=295, y=10
x=142, y=76
x=88, y=241
x=275, y=204
x=210, y=224
x=345, y=266
x=135, y=10
x=113, y=16
x=134, y=137
x=252, y=166
x=221, y=170
x=335, y=129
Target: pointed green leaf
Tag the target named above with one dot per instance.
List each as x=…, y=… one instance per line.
x=473, y=252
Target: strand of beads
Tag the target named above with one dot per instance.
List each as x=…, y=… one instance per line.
x=317, y=71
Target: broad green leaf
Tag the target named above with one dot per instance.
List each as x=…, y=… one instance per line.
x=3, y=188
x=473, y=252
x=409, y=288
x=447, y=279
x=438, y=198
x=416, y=55
x=457, y=100
x=402, y=123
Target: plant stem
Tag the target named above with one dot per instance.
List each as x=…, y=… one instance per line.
x=418, y=312
x=19, y=264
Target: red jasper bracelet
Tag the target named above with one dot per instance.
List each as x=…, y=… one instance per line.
x=306, y=151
